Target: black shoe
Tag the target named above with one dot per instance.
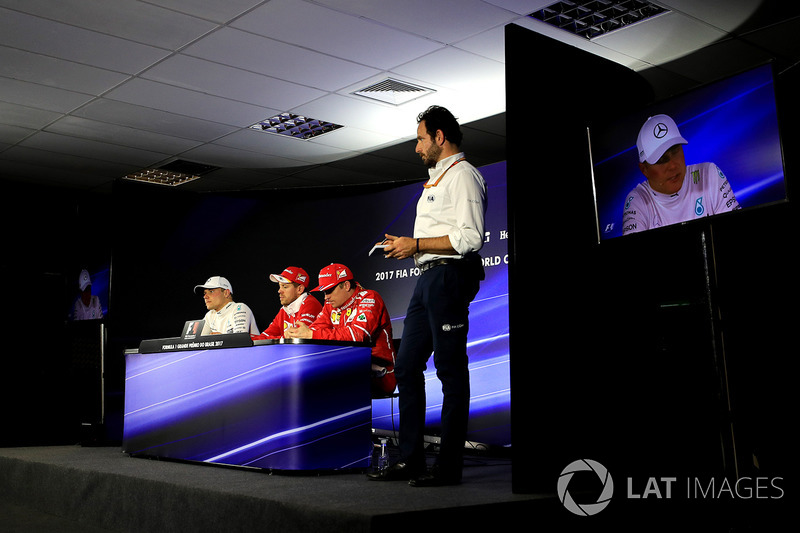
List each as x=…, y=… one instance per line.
x=436, y=477
x=401, y=471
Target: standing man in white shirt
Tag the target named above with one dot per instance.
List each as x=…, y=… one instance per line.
x=448, y=233
x=224, y=315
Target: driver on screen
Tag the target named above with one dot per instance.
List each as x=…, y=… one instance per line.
x=673, y=191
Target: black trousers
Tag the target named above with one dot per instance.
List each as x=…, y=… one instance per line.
x=437, y=322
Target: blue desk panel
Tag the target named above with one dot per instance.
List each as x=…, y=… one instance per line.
x=276, y=406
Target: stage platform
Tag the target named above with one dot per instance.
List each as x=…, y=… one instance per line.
x=101, y=489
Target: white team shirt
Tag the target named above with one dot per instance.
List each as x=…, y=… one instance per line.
x=92, y=311
x=453, y=203
x=705, y=191
x=233, y=318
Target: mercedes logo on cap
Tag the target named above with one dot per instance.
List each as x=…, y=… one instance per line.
x=660, y=130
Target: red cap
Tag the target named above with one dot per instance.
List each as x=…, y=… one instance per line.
x=332, y=275
x=291, y=275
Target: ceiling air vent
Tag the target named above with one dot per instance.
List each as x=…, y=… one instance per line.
x=593, y=18
x=174, y=173
x=394, y=92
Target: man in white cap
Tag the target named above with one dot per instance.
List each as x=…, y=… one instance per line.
x=224, y=315
x=87, y=306
x=674, y=192
x=298, y=306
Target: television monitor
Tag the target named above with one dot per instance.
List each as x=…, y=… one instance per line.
x=732, y=122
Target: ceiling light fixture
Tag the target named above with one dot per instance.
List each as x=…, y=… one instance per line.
x=295, y=126
x=178, y=172
x=393, y=91
x=161, y=177
x=593, y=18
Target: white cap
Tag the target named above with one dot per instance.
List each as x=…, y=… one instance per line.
x=215, y=282
x=84, y=280
x=657, y=135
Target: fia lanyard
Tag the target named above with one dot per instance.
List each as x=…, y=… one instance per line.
x=434, y=184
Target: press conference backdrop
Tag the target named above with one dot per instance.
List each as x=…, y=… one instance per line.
x=170, y=241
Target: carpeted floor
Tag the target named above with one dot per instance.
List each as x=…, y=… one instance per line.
x=99, y=489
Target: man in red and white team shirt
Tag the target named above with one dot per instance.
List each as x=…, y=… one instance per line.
x=353, y=313
x=298, y=305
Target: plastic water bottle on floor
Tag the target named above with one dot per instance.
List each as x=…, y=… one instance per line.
x=383, y=459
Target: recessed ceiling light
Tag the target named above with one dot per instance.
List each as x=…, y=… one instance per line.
x=295, y=126
x=592, y=18
x=393, y=91
x=178, y=172
x=161, y=177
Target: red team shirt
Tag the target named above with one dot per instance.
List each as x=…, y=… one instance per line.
x=303, y=310
x=363, y=318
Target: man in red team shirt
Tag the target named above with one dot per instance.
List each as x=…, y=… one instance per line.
x=298, y=306
x=353, y=313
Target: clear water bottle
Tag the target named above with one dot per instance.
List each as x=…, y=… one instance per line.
x=383, y=458
x=379, y=459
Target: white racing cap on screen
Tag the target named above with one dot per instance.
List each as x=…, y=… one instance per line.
x=657, y=135
x=84, y=280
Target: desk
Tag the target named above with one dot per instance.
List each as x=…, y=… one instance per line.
x=284, y=406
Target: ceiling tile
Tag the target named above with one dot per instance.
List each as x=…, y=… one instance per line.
x=278, y=60
x=443, y=22
x=662, y=38
x=140, y=22
x=215, y=11
x=233, y=83
x=91, y=149
x=342, y=35
x=120, y=135
x=26, y=32
x=725, y=15
x=13, y=134
x=35, y=68
x=40, y=96
x=230, y=157
x=179, y=101
x=153, y=120
x=26, y=116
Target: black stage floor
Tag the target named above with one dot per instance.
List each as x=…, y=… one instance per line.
x=101, y=489
x=83, y=489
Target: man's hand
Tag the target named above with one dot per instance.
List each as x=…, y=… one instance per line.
x=399, y=247
x=301, y=331
x=404, y=247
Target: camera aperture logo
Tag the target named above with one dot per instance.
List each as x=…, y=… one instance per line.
x=585, y=509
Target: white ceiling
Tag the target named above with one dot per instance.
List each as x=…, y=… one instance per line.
x=91, y=90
